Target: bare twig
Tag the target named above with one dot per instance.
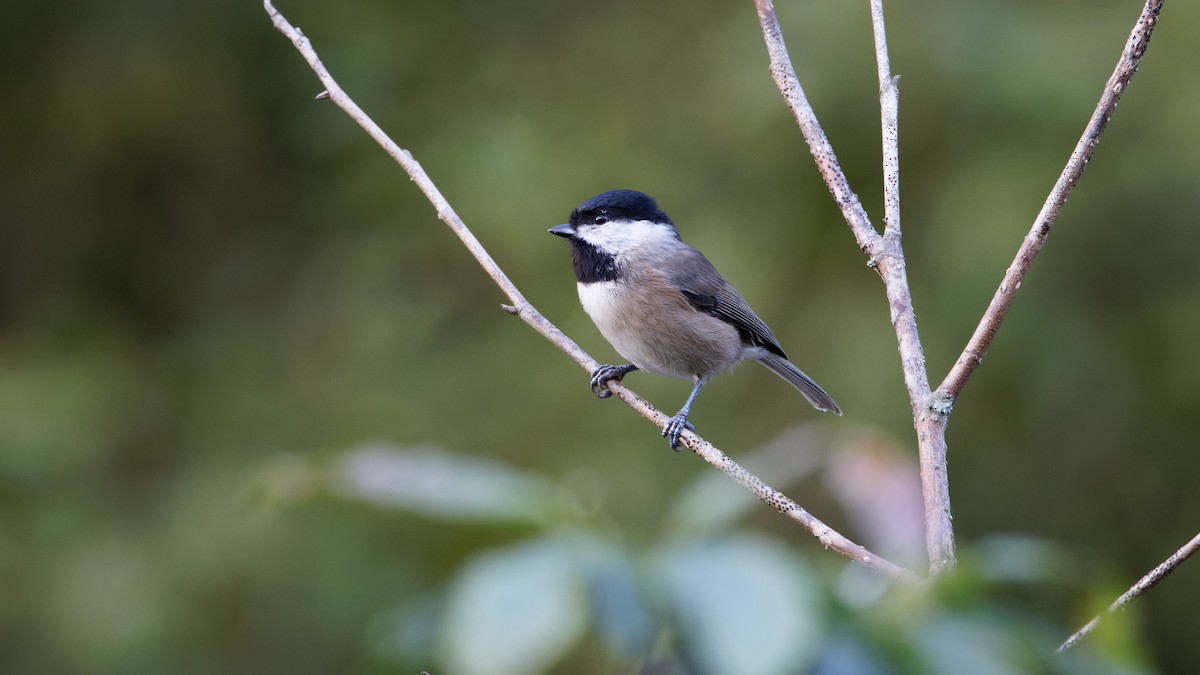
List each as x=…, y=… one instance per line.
x=887, y=257
x=977, y=346
x=889, y=113
x=1144, y=584
x=521, y=307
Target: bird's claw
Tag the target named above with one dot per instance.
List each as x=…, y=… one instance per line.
x=674, y=429
x=602, y=375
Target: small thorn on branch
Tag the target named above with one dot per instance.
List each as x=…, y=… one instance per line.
x=323, y=96
x=509, y=309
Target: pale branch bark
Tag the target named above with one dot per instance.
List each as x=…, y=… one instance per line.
x=1144, y=584
x=522, y=308
x=985, y=332
x=889, y=114
x=929, y=418
x=886, y=255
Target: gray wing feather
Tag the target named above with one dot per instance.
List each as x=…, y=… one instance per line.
x=707, y=291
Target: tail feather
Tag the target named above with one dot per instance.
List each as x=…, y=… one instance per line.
x=795, y=377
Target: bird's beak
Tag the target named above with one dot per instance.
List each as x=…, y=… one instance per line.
x=564, y=230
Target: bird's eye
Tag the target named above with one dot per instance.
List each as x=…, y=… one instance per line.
x=600, y=219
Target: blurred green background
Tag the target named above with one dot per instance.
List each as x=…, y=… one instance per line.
x=214, y=291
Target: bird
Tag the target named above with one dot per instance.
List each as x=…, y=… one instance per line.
x=663, y=306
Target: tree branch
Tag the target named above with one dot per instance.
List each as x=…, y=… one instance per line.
x=1144, y=584
x=985, y=332
x=521, y=307
x=887, y=257
x=889, y=113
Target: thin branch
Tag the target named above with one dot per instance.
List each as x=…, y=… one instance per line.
x=985, y=332
x=521, y=307
x=887, y=257
x=929, y=419
x=889, y=113
x=827, y=163
x=1144, y=584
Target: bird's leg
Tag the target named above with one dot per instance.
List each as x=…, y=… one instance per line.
x=679, y=422
x=604, y=373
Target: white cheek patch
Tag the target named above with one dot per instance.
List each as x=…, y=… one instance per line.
x=619, y=236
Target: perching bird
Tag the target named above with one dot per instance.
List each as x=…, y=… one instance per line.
x=662, y=305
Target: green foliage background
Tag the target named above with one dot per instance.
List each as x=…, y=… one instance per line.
x=202, y=271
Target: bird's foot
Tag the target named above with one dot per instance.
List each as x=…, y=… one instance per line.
x=604, y=373
x=675, y=428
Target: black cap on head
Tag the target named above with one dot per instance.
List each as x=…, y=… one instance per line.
x=620, y=204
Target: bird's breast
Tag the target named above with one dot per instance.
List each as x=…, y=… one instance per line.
x=657, y=330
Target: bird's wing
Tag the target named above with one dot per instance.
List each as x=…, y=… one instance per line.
x=707, y=291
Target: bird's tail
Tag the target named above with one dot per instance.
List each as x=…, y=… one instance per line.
x=811, y=390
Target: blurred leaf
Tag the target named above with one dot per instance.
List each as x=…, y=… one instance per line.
x=952, y=645
x=444, y=485
x=744, y=604
x=514, y=611
x=713, y=502
x=623, y=618
x=845, y=655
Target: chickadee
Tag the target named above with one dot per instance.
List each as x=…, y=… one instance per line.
x=662, y=305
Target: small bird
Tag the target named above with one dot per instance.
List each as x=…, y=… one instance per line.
x=663, y=306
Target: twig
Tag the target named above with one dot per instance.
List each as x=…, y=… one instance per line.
x=977, y=346
x=887, y=257
x=1144, y=584
x=889, y=113
x=521, y=307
